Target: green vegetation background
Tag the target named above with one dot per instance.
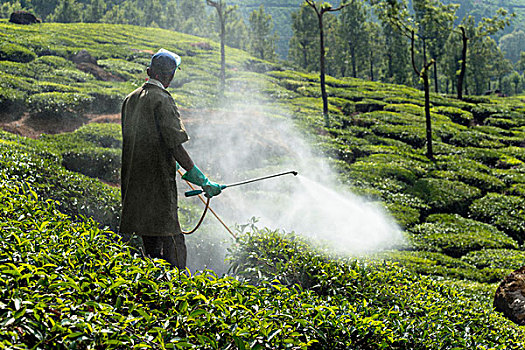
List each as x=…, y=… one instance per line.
x=67, y=281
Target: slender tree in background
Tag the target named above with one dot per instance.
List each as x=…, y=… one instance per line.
x=262, y=38
x=487, y=26
x=520, y=66
x=223, y=10
x=305, y=37
x=237, y=33
x=320, y=10
x=400, y=17
x=513, y=44
x=396, y=56
x=375, y=47
x=67, y=11
x=353, y=21
x=435, y=21
x=95, y=11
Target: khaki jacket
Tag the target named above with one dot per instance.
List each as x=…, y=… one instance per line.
x=151, y=129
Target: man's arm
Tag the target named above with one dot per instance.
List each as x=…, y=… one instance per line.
x=183, y=158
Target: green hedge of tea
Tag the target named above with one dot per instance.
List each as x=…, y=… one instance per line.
x=456, y=236
x=444, y=266
x=15, y=53
x=445, y=195
x=41, y=169
x=503, y=211
x=400, y=304
x=68, y=284
x=56, y=104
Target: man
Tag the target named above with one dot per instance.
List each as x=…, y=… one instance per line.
x=153, y=134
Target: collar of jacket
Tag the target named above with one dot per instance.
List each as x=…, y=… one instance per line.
x=155, y=82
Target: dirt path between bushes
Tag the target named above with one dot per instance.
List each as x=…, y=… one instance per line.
x=32, y=127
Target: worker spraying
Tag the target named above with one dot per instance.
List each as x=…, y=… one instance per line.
x=153, y=137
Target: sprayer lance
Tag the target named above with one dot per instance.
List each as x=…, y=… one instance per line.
x=197, y=192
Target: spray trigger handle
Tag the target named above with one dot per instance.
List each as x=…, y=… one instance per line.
x=197, y=192
x=193, y=193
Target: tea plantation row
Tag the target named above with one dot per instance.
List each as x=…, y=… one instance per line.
x=39, y=77
x=65, y=283
x=468, y=202
x=463, y=207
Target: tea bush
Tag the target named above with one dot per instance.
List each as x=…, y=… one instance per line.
x=404, y=215
x=101, y=134
x=83, y=288
x=412, y=135
x=444, y=195
x=11, y=101
x=122, y=68
x=485, y=182
x=517, y=190
x=505, y=212
x=15, y=53
x=90, y=291
x=496, y=258
x=102, y=163
x=369, y=105
x=76, y=194
x=454, y=235
x=374, y=172
x=457, y=115
x=489, y=157
x=439, y=264
x=56, y=104
x=407, y=303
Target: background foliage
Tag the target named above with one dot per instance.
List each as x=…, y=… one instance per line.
x=69, y=281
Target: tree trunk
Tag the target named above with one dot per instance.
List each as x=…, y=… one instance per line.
x=322, y=75
x=305, y=56
x=436, y=85
x=463, y=70
x=426, y=84
x=424, y=75
x=223, y=53
x=371, y=65
x=354, y=68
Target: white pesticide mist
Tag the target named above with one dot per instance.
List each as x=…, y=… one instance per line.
x=243, y=141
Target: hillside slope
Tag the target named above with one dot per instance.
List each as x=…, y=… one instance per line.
x=462, y=215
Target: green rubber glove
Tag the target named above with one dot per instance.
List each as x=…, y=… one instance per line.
x=195, y=176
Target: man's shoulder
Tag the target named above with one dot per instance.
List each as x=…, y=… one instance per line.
x=137, y=91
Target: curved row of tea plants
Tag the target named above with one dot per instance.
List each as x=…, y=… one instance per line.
x=468, y=199
x=39, y=77
x=69, y=284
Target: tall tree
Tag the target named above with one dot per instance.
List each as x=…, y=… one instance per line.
x=375, y=47
x=95, y=11
x=434, y=21
x=223, y=10
x=305, y=38
x=513, y=44
x=262, y=37
x=406, y=22
x=237, y=34
x=191, y=14
x=320, y=10
x=44, y=7
x=67, y=11
x=396, y=56
x=486, y=27
x=353, y=20
x=9, y=7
